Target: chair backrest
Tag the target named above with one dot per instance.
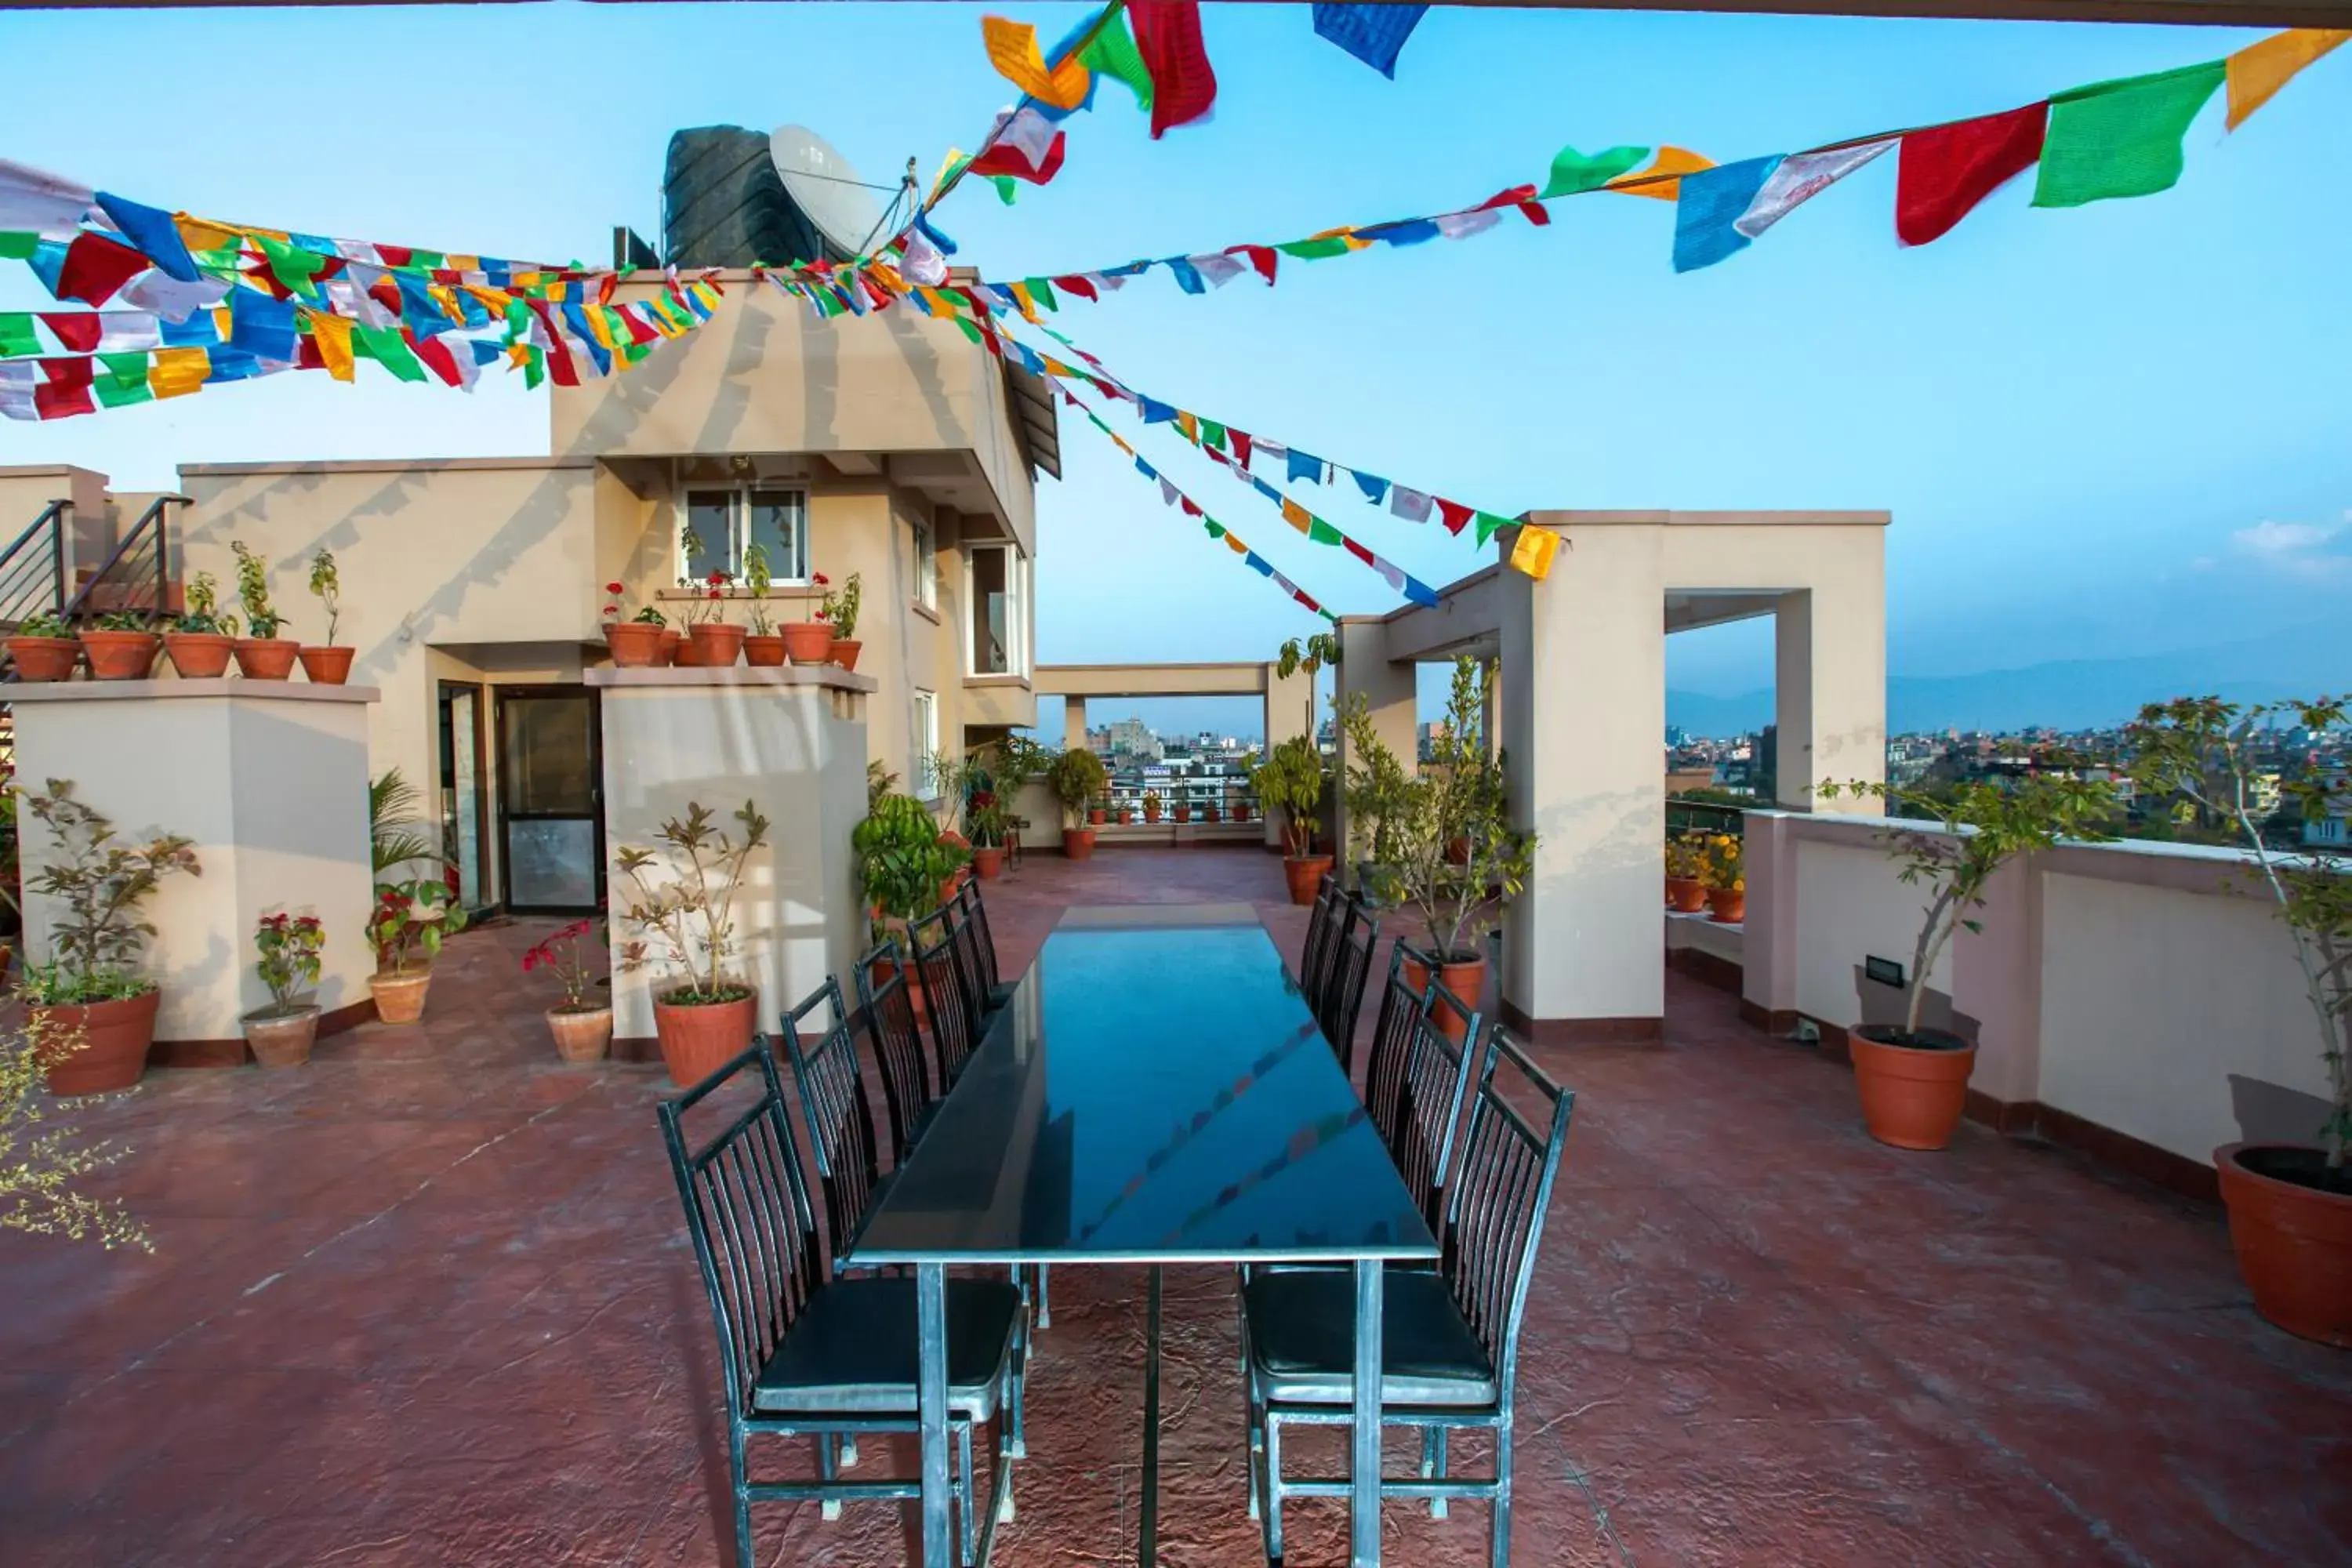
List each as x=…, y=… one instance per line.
x=746, y=1208
x=1401, y=1003
x=840, y=1123
x=947, y=992
x=1343, y=991
x=1432, y=1082
x=889, y=1008
x=1494, y=1212
x=1315, y=955
x=981, y=946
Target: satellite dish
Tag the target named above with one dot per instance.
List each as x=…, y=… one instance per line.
x=827, y=188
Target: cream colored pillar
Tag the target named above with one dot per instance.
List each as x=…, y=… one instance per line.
x=1583, y=709
x=1829, y=692
x=1387, y=689
x=270, y=781
x=1289, y=702
x=1074, y=723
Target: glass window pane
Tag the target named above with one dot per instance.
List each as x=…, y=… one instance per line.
x=552, y=864
x=992, y=653
x=926, y=568
x=776, y=527
x=547, y=764
x=709, y=545
x=463, y=816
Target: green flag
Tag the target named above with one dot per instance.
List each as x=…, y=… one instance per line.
x=1572, y=172
x=122, y=380
x=18, y=246
x=1112, y=52
x=1216, y=529
x=1489, y=523
x=17, y=334
x=1315, y=249
x=1319, y=531
x=1042, y=293
x=385, y=346
x=1213, y=434
x=967, y=328
x=295, y=268
x=1005, y=188
x=534, y=368
x=2121, y=138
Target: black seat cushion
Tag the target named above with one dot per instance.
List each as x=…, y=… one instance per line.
x=1302, y=1331
x=853, y=1351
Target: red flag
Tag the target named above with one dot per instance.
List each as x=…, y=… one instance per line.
x=1078, y=285
x=436, y=356
x=1946, y=170
x=1241, y=446
x=1191, y=509
x=1006, y=158
x=67, y=391
x=1168, y=37
x=78, y=330
x=1261, y=257
x=94, y=267
x=395, y=254
x=307, y=355
x=1453, y=514
x=1356, y=550
x=1522, y=197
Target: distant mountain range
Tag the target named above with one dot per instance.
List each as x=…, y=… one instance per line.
x=2071, y=694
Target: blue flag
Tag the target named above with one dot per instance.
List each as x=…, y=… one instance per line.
x=1711, y=201
x=1373, y=34
x=260, y=326
x=152, y=231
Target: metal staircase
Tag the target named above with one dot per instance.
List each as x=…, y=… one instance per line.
x=35, y=579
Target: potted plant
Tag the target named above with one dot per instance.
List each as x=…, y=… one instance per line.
x=1914, y=1081
x=1126, y=813
x=1098, y=809
x=199, y=639
x=1078, y=778
x=121, y=646
x=762, y=648
x=2290, y=1204
x=841, y=614
x=811, y=641
x=263, y=655
x=1686, y=874
x=1723, y=871
x=329, y=665
x=1290, y=780
x=1183, y=811
x=42, y=1155
x=717, y=644
x=281, y=1034
x=641, y=642
x=410, y=922
x=1375, y=790
x=709, y=1017
x=583, y=1023
x=1152, y=805
x=901, y=861
x=45, y=647
x=1208, y=813
x=988, y=820
x=91, y=986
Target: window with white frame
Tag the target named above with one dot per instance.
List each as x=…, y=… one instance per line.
x=926, y=741
x=997, y=636
x=927, y=567
x=717, y=528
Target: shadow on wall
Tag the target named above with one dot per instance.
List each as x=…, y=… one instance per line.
x=1887, y=1006
x=2274, y=1113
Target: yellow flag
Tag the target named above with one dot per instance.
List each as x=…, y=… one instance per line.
x=955, y=156
x=2258, y=70
x=174, y=373
x=1296, y=516
x=1236, y=545
x=1669, y=160
x=334, y=335
x=1021, y=297
x=1534, y=551
x=198, y=235
x=1187, y=425
x=1013, y=50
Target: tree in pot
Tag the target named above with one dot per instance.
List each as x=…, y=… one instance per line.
x=40, y=1159
x=707, y=1018
x=263, y=655
x=282, y=1034
x=901, y=862
x=1376, y=791
x=2290, y=1204
x=409, y=923
x=1914, y=1081
x=1077, y=779
x=1291, y=780
x=329, y=664
x=200, y=639
x=1723, y=871
x=91, y=987
x=583, y=1023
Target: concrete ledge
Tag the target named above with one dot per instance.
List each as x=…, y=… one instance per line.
x=823, y=676
x=148, y=690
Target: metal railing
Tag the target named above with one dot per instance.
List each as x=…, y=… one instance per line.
x=33, y=569
x=137, y=577
x=1703, y=817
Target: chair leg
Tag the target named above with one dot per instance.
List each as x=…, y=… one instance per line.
x=1250, y=1442
x=827, y=1507
x=1433, y=1465
x=1016, y=1437
x=742, y=1496
x=1273, y=1525
x=965, y=1548
x=1045, y=1295
x=1498, y=1552
x=849, y=1450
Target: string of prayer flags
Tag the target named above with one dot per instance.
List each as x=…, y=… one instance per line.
x=1721, y=210
x=1660, y=179
x=1013, y=50
x=1184, y=83
x=1375, y=33
x=1574, y=172
x=2117, y=139
x=1943, y=171
x=2257, y=72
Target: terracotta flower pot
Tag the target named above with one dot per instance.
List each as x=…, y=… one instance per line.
x=1304, y=872
x=400, y=998
x=1685, y=895
x=2293, y=1238
x=808, y=642
x=1457, y=850
x=120, y=655
x=1095, y=816
x=1727, y=905
x=114, y=1040
x=1463, y=977
x=636, y=644
x=845, y=653
x=696, y=1041
x=683, y=654
x=198, y=655
x=327, y=666
x=1183, y=814
x=764, y=653
x=584, y=1036
x=45, y=658
x=282, y=1039
x=266, y=658
x=987, y=861
x=1078, y=843
x=1150, y=811
x=1912, y=1094
x=1126, y=816
x=717, y=645
x=672, y=640
x=1208, y=813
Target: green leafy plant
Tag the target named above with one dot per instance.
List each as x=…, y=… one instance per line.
x=102, y=882
x=125, y=621
x=253, y=592
x=45, y=623
x=289, y=946
x=560, y=953
x=40, y=1159
x=200, y=609
x=396, y=833
x=1291, y=781
x=691, y=912
x=2199, y=748
x=1309, y=656
x=759, y=578
x=1977, y=828
x=989, y=820
x=1376, y=788
x=841, y=608
x=1078, y=778
x=879, y=781
x=1152, y=805
x=410, y=918
x=1020, y=761
x=955, y=779
x=1459, y=858
x=327, y=587
x=901, y=861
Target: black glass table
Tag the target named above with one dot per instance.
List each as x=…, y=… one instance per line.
x=1149, y=1096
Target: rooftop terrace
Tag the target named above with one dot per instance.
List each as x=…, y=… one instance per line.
x=428, y=1300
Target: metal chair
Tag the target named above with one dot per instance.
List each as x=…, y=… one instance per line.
x=1449, y=1340
x=1350, y=964
x=806, y=1355
x=948, y=993
x=1429, y=1082
x=889, y=1009
x=1314, y=955
x=980, y=948
x=840, y=1123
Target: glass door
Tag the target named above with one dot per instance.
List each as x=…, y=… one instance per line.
x=465, y=836
x=551, y=799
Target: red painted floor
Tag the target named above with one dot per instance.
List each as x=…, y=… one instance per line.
x=427, y=1301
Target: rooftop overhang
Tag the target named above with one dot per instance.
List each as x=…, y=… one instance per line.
x=1035, y=417
x=2200, y=13
x=1149, y=680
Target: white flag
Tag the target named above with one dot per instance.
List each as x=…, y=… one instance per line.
x=35, y=201
x=1800, y=178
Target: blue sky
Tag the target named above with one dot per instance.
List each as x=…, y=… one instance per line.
x=2110, y=431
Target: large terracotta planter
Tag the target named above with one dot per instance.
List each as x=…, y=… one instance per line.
x=1727, y=905
x=327, y=666
x=582, y=1037
x=400, y=998
x=808, y=642
x=198, y=655
x=1462, y=977
x=114, y=1040
x=717, y=645
x=764, y=653
x=698, y=1041
x=845, y=652
x=636, y=644
x=282, y=1039
x=1305, y=874
x=987, y=861
x=1913, y=1095
x=1078, y=843
x=2294, y=1240
x=45, y=658
x=1150, y=811
x=120, y=655
x=266, y=658
x=1685, y=895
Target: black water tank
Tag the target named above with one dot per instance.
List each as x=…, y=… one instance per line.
x=722, y=205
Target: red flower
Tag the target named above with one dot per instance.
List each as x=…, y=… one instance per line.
x=820, y=579
x=717, y=594
x=716, y=579
x=819, y=616
x=614, y=588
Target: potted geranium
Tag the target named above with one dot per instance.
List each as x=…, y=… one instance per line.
x=91, y=986
x=1914, y=1081
x=410, y=922
x=1078, y=778
x=45, y=647
x=282, y=1034
x=1152, y=805
x=200, y=639
x=1723, y=871
x=1126, y=814
x=1291, y=781
x=707, y=1017
x=262, y=655
x=2290, y=1204
x=1184, y=811
x=716, y=644
x=641, y=642
x=762, y=648
x=583, y=1023
x=330, y=664
x=841, y=614
x=811, y=641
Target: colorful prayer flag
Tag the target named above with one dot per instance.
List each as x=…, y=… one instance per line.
x=1168, y=38
x=2257, y=72
x=1572, y=172
x=1669, y=160
x=2116, y=138
x=1013, y=50
x=1711, y=203
x=1374, y=33
x=1943, y=171
x=1800, y=178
